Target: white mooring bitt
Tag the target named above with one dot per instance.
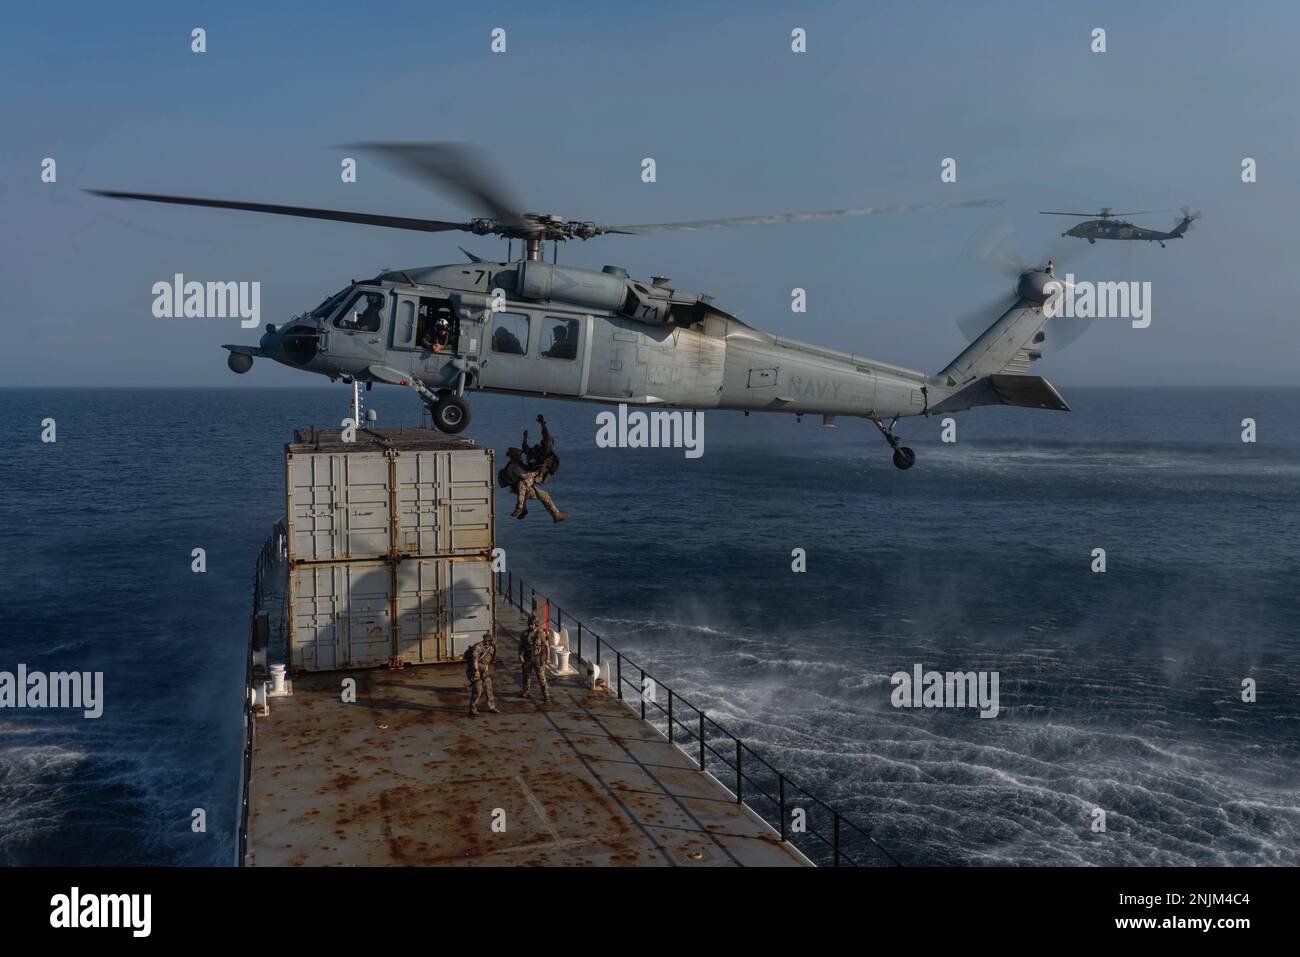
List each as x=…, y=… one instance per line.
x=279, y=687
x=594, y=674
x=560, y=653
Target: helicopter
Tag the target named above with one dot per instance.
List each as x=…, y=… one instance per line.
x=532, y=328
x=1106, y=226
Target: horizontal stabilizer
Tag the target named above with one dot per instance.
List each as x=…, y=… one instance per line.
x=1030, y=391
x=1026, y=391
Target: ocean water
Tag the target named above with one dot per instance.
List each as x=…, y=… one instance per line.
x=1119, y=691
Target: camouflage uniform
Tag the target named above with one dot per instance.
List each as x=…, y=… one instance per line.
x=524, y=483
x=532, y=655
x=541, y=457
x=478, y=673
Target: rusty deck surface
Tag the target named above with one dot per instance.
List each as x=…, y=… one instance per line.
x=406, y=777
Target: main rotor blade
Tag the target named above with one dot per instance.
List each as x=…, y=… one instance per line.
x=798, y=217
x=1105, y=213
x=461, y=168
x=335, y=215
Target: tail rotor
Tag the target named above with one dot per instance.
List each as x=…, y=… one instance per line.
x=996, y=248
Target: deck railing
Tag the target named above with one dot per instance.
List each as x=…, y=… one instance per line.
x=267, y=556
x=816, y=828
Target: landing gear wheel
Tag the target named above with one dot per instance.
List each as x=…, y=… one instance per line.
x=904, y=458
x=451, y=414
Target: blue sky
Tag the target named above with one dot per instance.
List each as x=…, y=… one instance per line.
x=737, y=125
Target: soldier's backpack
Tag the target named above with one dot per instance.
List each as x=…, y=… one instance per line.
x=550, y=466
x=503, y=473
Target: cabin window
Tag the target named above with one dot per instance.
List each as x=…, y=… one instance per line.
x=560, y=338
x=365, y=313
x=510, y=333
x=406, y=320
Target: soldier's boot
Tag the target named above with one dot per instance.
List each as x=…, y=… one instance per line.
x=549, y=504
x=494, y=709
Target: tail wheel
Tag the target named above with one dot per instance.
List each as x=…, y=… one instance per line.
x=451, y=414
x=904, y=458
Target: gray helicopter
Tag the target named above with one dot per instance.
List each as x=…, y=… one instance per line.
x=528, y=327
x=1106, y=226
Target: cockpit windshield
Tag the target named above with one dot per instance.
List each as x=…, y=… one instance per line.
x=329, y=305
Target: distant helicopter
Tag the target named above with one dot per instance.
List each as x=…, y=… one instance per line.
x=527, y=327
x=1106, y=226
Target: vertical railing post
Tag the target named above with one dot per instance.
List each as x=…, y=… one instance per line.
x=642, y=670
x=837, y=836
x=670, y=715
x=598, y=644
x=701, y=740
x=559, y=617
x=618, y=674
x=781, y=790
x=740, y=798
x=579, y=639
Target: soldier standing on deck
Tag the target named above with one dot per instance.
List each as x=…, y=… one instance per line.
x=532, y=655
x=478, y=672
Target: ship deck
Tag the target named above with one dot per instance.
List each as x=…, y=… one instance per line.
x=404, y=776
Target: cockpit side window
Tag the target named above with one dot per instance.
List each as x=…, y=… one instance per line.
x=364, y=313
x=327, y=307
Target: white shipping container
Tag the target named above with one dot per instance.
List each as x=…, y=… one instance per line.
x=371, y=614
x=391, y=493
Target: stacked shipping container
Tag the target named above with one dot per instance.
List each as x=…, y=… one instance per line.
x=390, y=541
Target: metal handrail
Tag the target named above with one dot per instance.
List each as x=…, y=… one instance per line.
x=266, y=557
x=739, y=766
